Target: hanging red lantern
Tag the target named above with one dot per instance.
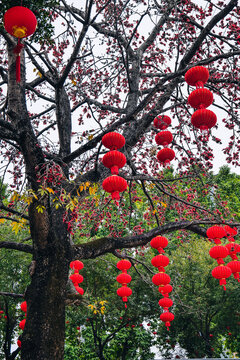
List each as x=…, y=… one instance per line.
x=164, y=138
x=160, y=261
x=203, y=119
x=219, y=253
x=113, y=140
x=162, y=122
x=159, y=243
x=167, y=317
x=22, y=324
x=200, y=98
x=231, y=231
x=161, y=279
x=19, y=343
x=165, y=290
x=197, y=76
x=76, y=265
x=24, y=306
x=114, y=185
x=222, y=273
x=233, y=249
x=114, y=160
x=79, y=290
x=124, y=265
x=235, y=267
x=76, y=278
x=124, y=292
x=215, y=233
x=20, y=22
x=124, y=278
x=165, y=303
x=165, y=155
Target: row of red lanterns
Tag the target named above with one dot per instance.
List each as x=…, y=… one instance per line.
x=77, y=278
x=220, y=252
x=200, y=98
x=162, y=279
x=124, y=279
x=114, y=160
x=23, y=307
x=164, y=138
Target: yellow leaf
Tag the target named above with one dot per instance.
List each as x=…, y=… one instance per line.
x=74, y=82
x=50, y=190
x=2, y=221
x=39, y=74
x=163, y=204
x=90, y=137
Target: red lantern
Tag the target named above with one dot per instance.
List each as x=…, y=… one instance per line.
x=19, y=343
x=162, y=122
x=159, y=242
x=230, y=231
x=165, y=156
x=114, y=160
x=233, y=249
x=76, y=278
x=124, y=265
x=222, y=273
x=235, y=267
x=124, y=292
x=165, y=303
x=164, y=138
x=165, y=290
x=114, y=185
x=20, y=22
x=113, y=140
x=167, y=317
x=124, y=278
x=160, y=261
x=76, y=265
x=203, y=119
x=200, y=98
x=24, y=306
x=161, y=279
x=79, y=290
x=219, y=252
x=215, y=233
x=197, y=76
x=22, y=324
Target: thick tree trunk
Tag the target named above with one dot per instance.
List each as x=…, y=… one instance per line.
x=43, y=336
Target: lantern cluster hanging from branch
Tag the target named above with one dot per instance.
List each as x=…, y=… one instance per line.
x=200, y=99
x=19, y=22
x=124, y=279
x=162, y=279
x=164, y=138
x=23, y=307
x=114, y=160
x=76, y=278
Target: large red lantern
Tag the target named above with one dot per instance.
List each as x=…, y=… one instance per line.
x=165, y=156
x=20, y=22
x=197, y=76
x=113, y=140
x=124, y=278
x=160, y=261
x=114, y=185
x=124, y=265
x=159, y=243
x=164, y=138
x=222, y=273
x=200, y=98
x=219, y=253
x=167, y=317
x=203, y=119
x=114, y=160
x=161, y=279
x=215, y=233
x=162, y=122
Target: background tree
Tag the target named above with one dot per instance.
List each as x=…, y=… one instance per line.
x=107, y=66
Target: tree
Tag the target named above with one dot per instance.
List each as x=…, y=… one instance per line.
x=110, y=65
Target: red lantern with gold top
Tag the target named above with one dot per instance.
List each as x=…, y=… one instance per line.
x=20, y=22
x=197, y=76
x=114, y=185
x=113, y=140
x=114, y=160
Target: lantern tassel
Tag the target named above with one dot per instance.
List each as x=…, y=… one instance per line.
x=17, y=51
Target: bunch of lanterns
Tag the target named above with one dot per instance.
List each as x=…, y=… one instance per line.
x=200, y=98
x=162, y=279
x=220, y=252
x=19, y=22
x=114, y=160
x=164, y=138
x=23, y=307
x=77, y=278
x=124, y=279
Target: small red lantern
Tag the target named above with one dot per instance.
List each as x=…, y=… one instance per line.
x=124, y=292
x=160, y=261
x=76, y=278
x=114, y=185
x=79, y=290
x=200, y=98
x=165, y=303
x=215, y=233
x=222, y=273
x=235, y=267
x=76, y=265
x=203, y=119
x=197, y=76
x=167, y=317
x=24, y=306
x=159, y=242
x=124, y=265
x=165, y=155
x=19, y=343
x=124, y=278
x=230, y=231
x=22, y=324
x=114, y=160
x=219, y=253
x=160, y=279
x=113, y=140
x=162, y=122
x=165, y=290
x=164, y=138
x=20, y=22
x=233, y=249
